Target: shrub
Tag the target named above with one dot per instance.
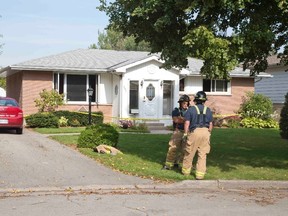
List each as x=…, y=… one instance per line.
x=42, y=120
x=63, y=122
x=283, y=124
x=125, y=123
x=98, y=134
x=233, y=122
x=76, y=119
x=49, y=100
x=258, y=123
x=256, y=105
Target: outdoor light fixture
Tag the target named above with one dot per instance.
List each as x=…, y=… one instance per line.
x=90, y=94
x=161, y=83
x=141, y=83
x=90, y=91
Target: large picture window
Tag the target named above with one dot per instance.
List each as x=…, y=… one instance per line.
x=215, y=85
x=74, y=87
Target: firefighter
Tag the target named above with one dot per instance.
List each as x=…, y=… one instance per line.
x=197, y=130
x=175, y=151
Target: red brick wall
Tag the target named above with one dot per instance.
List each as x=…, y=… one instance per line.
x=229, y=104
x=14, y=87
x=33, y=83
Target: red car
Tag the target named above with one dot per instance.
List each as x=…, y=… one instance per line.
x=11, y=115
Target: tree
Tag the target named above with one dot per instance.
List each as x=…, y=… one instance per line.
x=112, y=39
x=2, y=82
x=223, y=33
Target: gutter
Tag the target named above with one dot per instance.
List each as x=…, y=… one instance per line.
x=59, y=69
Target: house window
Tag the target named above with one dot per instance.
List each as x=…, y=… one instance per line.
x=167, y=97
x=75, y=86
x=59, y=82
x=181, y=84
x=150, y=92
x=215, y=85
x=134, y=95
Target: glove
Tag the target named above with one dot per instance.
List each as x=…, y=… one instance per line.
x=184, y=137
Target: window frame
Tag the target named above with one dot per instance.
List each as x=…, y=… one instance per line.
x=60, y=85
x=213, y=84
x=132, y=109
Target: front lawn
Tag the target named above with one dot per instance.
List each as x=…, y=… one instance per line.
x=250, y=154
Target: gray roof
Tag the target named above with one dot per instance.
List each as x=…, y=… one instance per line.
x=84, y=59
x=96, y=60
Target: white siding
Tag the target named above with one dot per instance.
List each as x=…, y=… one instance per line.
x=276, y=87
x=105, y=89
x=193, y=85
x=116, y=95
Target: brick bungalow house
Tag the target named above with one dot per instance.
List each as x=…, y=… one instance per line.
x=126, y=84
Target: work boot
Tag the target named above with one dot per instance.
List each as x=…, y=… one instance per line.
x=166, y=168
x=199, y=178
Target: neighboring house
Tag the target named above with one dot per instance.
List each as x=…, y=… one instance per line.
x=276, y=87
x=2, y=92
x=127, y=84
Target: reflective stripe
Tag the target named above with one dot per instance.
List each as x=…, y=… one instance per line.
x=169, y=164
x=198, y=111
x=186, y=171
x=200, y=174
x=202, y=115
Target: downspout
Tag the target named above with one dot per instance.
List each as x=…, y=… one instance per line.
x=97, y=92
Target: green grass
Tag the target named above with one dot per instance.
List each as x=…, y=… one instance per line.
x=250, y=154
x=59, y=130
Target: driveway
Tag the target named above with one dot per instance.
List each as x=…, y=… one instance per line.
x=32, y=160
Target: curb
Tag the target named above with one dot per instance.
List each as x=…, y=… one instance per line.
x=179, y=187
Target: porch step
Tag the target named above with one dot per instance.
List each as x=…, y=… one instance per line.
x=155, y=126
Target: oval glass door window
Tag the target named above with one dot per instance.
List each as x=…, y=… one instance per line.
x=150, y=92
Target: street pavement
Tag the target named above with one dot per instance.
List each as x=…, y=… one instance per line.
x=39, y=176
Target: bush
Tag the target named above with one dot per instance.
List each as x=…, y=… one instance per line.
x=96, y=135
x=256, y=105
x=42, y=120
x=259, y=123
x=49, y=100
x=284, y=119
x=63, y=122
x=76, y=119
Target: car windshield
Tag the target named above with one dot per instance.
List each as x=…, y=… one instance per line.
x=8, y=102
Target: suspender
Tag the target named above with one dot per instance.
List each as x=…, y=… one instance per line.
x=201, y=114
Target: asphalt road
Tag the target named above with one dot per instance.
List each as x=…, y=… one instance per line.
x=39, y=176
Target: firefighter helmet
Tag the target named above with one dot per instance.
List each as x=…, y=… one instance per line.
x=184, y=98
x=200, y=97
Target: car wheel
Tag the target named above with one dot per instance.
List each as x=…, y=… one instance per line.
x=19, y=130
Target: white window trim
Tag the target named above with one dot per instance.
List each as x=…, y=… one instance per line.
x=221, y=93
x=65, y=89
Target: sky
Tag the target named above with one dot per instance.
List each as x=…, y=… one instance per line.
x=32, y=29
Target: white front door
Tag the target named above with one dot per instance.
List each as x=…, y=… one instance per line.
x=151, y=96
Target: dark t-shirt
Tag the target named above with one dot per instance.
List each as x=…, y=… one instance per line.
x=176, y=113
x=192, y=116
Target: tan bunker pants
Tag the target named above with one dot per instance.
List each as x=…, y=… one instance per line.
x=197, y=141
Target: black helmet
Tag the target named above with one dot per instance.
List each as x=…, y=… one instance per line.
x=184, y=98
x=200, y=97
